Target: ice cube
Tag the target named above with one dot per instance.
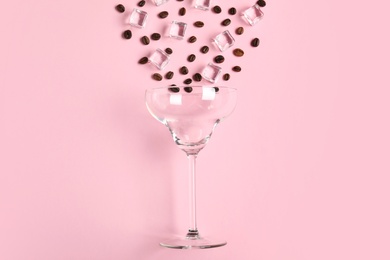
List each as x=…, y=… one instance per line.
x=211, y=72
x=202, y=4
x=224, y=40
x=160, y=2
x=177, y=30
x=253, y=14
x=138, y=18
x=159, y=58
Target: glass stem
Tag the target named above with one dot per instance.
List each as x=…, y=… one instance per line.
x=193, y=230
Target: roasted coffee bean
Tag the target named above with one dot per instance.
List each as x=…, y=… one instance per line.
x=127, y=34
x=155, y=36
x=145, y=40
x=180, y=0
x=191, y=57
x=219, y=59
x=255, y=42
x=120, y=8
x=157, y=76
x=240, y=30
x=236, y=68
x=188, y=89
x=169, y=51
x=217, y=9
x=182, y=11
x=143, y=60
x=169, y=75
x=174, y=89
x=216, y=89
x=183, y=70
x=232, y=11
x=192, y=39
x=226, y=76
x=238, y=52
x=226, y=22
x=163, y=14
x=261, y=3
x=197, y=77
x=204, y=49
x=141, y=3
x=187, y=81
x=199, y=24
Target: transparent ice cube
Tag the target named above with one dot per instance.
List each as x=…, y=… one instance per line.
x=177, y=30
x=211, y=72
x=159, y=58
x=160, y=2
x=253, y=14
x=138, y=18
x=202, y=4
x=224, y=40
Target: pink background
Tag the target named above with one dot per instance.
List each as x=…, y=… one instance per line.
x=299, y=171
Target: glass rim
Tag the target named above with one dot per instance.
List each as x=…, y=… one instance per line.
x=192, y=86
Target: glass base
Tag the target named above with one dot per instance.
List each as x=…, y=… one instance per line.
x=193, y=243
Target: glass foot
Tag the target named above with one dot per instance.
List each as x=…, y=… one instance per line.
x=193, y=243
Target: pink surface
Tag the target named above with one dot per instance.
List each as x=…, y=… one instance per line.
x=299, y=171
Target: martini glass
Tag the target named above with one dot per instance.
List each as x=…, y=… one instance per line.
x=191, y=115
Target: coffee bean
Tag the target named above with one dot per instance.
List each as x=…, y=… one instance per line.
x=145, y=40
x=192, y=39
x=232, y=11
x=180, y=0
x=197, y=77
x=261, y=3
x=199, y=24
x=226, y=22
x=219, y=59
x=204, y=49
x=174, y=89
x=127, y=34
x=217, y=9
x=143, y=60
x=169, y=51
x=141, y=3
x=155, y=36
x=236, y=68
x=182, y=11
x=157, y=76
x=239, y=30
x=187, y=81
x=238, y=52
x=163, y=14
x=191, y=57
x=226, y=77
x=169, y=75
x=255, y=42
x=188, y=89
x=216, y=89
x=183, y=70
x=120, y=8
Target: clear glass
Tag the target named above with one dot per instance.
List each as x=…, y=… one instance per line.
x=224, y=40
x=203, y=4
x=177, y=30
x=211, y=72
x=253, y=15
x=159, y=2
x=191, y=115
x=159, y=58
x=138, y=18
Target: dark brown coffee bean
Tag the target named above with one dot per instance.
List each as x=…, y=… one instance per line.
x=191, y=58
x=226, y=22
x=188, y=89
x=232, y=11
x=216, y=89
x=157, y=76
x=183, y=70
x=187, y=81
x=238, y=52
x=155, y=36
x=169, y=51
x=174, y=89
x=120, y=8
x=199, y=24
x=145, y=40
x=127, y=34
x=192, y=39
x=141, y=3
x=169, y=75
x=163, y=14
x=236, y=68
x=197, y=77
x=226, y=77
x=261, y=3
x=255, y=42
x=204, y=49
x=143, y=60
x=217, y=9
x=180, y=0
x=182, y=11
x=240, y=30
x=219, y=59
